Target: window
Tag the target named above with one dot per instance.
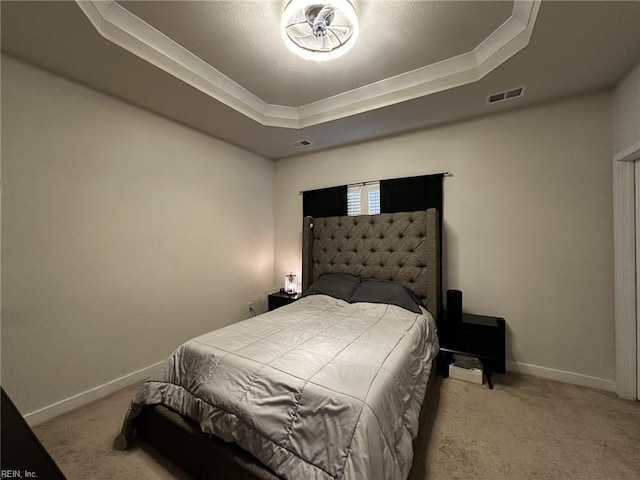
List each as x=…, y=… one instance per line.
x=374, y=199
x=354, y=203
x=363, y=198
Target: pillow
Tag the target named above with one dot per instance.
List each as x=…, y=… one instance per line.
x=337, y=285
x=383, y=291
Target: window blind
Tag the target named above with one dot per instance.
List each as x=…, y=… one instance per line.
x=354, y=202
x=374, y=199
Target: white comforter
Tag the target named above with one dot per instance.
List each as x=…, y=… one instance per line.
x=319, y=389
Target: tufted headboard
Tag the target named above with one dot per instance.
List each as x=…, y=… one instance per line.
x=403, y=247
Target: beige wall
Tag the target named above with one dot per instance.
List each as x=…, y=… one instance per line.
x=123, y=234
x=528, y=223
x=626, y=112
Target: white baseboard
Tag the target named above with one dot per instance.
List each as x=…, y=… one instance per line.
x=47, y=413
x=562, y=376
x=63, y=406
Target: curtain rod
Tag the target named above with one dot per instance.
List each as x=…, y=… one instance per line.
x=362, y=184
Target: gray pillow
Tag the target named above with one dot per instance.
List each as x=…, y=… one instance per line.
x=383, y=291
x=337, y=285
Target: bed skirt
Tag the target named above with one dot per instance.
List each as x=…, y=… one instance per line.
x=181, y=440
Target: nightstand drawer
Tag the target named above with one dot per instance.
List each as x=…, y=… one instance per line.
x=475, y=339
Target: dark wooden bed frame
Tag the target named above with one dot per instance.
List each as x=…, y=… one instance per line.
x=403, y=247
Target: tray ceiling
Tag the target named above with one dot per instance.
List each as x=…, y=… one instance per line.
x=574, y=47
x=408, y=38
x=402, y=53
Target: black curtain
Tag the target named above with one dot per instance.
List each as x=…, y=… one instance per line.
x=411, y=194
x=407, y=194
x=327, y=202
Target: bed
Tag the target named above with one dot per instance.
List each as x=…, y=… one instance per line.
x=328, y=387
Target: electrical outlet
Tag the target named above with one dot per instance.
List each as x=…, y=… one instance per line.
x=250, y=306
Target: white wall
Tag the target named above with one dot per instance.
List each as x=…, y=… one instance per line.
x=528, y=224
x=123, y=234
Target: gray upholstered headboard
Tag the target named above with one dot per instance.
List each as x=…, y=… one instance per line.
x=403, y=247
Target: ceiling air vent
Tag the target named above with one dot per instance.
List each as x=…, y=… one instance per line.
x=301, y=144
x=507, y=95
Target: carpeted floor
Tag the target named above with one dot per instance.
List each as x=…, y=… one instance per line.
x=526, y=428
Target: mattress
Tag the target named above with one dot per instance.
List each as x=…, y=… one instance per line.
x=319, y=389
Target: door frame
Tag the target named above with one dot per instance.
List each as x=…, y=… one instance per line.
x=626, y=266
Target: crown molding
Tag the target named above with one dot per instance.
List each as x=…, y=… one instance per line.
x=120, y=26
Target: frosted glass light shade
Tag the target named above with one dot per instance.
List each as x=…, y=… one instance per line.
x=327, y=39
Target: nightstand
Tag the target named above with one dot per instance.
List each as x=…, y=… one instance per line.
x=477, y=336
x=278, y=299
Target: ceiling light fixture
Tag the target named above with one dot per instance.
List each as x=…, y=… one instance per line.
x=319, y=31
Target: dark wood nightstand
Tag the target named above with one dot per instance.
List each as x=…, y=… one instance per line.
x=477, y=336
x=278, y=299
